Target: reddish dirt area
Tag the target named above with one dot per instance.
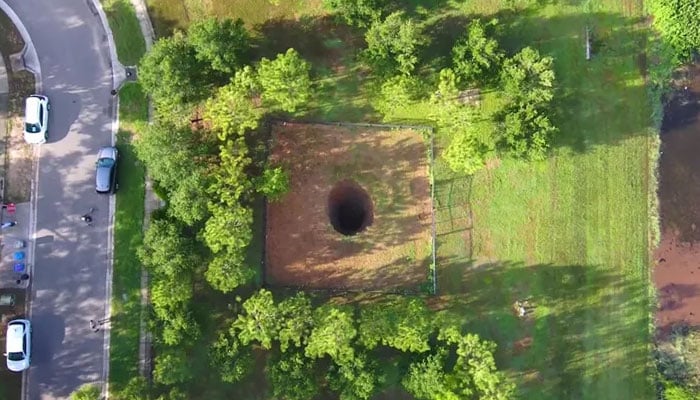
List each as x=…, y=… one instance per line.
x=677, y=272
x=369, y=181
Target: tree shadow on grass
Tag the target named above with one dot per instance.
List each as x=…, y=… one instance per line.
x=588, y=328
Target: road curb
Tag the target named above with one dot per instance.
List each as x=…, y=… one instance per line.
x=31, y=59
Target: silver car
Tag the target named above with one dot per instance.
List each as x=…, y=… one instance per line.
x=106, y=170
x=18, y=345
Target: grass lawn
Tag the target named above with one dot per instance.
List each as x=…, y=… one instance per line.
x=571, y=233
x=128, y=225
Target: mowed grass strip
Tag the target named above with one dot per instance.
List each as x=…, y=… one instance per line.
x=128, y=223
x=126, y=30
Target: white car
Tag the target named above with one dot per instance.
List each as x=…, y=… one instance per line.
x=36, y=119
x=18, y=345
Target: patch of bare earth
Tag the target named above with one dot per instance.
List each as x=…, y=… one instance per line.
x=368, y=181
x=677, y=273
x=18, y=164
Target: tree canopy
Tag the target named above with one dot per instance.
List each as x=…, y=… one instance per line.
x=528, y=83
x=393, y=44
x=476, y=56
x=360, y=13
x=222, y=43
x=285, y=81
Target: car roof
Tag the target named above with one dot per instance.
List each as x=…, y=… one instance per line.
x=31, y=109
x=15, y=337
x=107, y=152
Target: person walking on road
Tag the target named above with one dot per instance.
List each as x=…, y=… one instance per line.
x=87, y=218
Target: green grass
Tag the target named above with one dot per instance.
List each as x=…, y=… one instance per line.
x=573, y=232
x=128, y=224
x=126, y=30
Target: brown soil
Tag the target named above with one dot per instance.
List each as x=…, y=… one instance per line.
x=677, y=274
x=358, y=213
x=19, y=164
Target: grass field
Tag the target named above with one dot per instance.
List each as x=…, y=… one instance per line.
x=571, y=233
x=128, y=224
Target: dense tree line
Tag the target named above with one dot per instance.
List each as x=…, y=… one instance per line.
x=336, y=346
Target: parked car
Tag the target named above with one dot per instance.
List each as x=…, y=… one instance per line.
x=18, y=345
x=106, y=170
x=36, y=119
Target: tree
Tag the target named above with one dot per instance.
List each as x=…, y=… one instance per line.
x=396, y=92
x=296, y=320
x=229, y=228
x=87, y=392
x=285, y=81
x=476, y=56
x=186, y=202
x=527, y=132
x=273, y=183
x=233, y=110
x=528, y=77
x=172, y=74
x=259, y=321
x=171, y=367
x=678, y=21
x=171, y=153
x=399, y=322
x=360, y=13
x=227, y=270
x=228, y=356
x=354, y=380
x=292, y=377
x=528, y=81
x=224, y=44
x=469, y=142
x=179, y=327
x=333, y=334
x=426, y=379
x=135, y=389
x=170, y=294
x=230, y=182
x=393, y=44
x=166, y=251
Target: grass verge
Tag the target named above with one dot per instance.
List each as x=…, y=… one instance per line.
x=128, y=224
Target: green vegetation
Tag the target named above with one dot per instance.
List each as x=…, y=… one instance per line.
x=678, y=22
x=570, y=231
x=86, y=392
x=128, y=221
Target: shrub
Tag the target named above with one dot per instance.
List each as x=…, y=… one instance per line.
x=678, y=22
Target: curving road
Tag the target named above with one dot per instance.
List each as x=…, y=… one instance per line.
x=72, y=262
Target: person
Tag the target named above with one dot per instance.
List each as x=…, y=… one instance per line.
x=8, y=224
x=87, y=219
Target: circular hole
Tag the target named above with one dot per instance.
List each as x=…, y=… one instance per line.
x=349, y=208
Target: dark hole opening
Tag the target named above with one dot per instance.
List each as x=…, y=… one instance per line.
x=349, y=208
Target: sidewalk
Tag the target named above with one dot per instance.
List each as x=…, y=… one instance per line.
x=9, y=237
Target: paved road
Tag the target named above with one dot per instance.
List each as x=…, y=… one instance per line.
x=72, y=261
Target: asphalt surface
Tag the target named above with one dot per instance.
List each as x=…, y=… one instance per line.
x=72, y=260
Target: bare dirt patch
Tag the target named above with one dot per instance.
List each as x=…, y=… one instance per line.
x=677, y=273
x=358, y=213
x=19, y=164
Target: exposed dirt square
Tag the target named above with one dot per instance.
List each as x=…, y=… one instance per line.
x=677, y=273
x=358, y=213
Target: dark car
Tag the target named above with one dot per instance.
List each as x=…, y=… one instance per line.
x=106, y=170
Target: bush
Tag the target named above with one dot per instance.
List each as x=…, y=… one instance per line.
x=678, y=22
x=87, y=392
x=273, y=183
x=360, y=13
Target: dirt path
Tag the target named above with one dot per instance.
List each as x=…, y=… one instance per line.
x=677, y=274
